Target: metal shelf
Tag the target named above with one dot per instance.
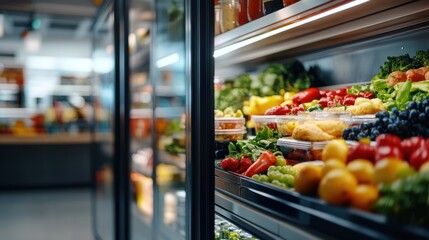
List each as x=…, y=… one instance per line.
x=369, y=19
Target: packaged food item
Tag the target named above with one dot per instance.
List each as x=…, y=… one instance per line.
x=271, y=6
x=254, y=9
x=296, y=151
x=228, y=15
x=331, y=123
x=264, y=120
x=241, y=7
x=229, y=134
x=229, y=123
x=286, y=124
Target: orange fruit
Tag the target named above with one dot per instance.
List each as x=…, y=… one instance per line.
x=335, y=149
x=331, y=165
x=388, y=169
x=307, y=179
x=363, y=170
x=364, y=197
x=337, y=187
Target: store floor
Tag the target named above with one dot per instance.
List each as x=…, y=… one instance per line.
x=46, y=215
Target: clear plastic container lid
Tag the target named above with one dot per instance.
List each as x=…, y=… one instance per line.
x=264, y=118
x=230, y=131
x=323, y=115
x=356, y=120
x=297, y=144
x=230, y=120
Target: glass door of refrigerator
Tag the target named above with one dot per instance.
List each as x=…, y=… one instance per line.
x=103, y=141
x=169, y=76
x=141, y=20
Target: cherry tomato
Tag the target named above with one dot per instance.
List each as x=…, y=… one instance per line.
x=324, y=101
x=341, y=92
x=368, y=95
x=349, y=100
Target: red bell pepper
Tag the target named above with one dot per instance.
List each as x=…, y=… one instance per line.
x=265, y=160
x=361, y=151
x=245, y=163
x=307, y=95
x=278, y=110
x=410, y=145
x=230, y=164
x=349, y=100
x=420, y=156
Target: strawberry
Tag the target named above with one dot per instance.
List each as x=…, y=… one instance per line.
x=244, y=165
x=230, y=164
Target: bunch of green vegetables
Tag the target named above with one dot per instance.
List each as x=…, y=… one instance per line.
x=406, y=200
x=403, y=63
x=253, y=148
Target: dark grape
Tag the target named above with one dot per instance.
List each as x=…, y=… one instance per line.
x=395, y=111
x=412, y=105
x=422, y=118
x=391, y=128
x=426, y=102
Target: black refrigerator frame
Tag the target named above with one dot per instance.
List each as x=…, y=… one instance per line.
x=199, y=19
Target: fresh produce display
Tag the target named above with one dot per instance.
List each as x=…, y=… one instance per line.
x=228, y=119
x=225, y=230
x=373, y=177
x=413, y=121
x=402, y=79
x=281, y=176
x=275, y=80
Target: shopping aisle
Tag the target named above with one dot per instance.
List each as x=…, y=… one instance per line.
x=46, y=215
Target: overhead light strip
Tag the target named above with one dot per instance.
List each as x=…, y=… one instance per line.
x=249, y=41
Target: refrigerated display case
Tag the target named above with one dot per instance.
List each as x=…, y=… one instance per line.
x=160, y=126
x=347, y=40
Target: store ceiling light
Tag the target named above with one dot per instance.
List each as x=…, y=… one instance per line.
x=168, y=60
x=233, y=47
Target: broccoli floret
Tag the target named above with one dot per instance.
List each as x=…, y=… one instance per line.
x=398, y=63
x=421, y=59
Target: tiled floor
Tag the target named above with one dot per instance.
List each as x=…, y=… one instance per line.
x=46, y=215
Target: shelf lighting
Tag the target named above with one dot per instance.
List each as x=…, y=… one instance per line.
x=168, y=60
x=233, y=47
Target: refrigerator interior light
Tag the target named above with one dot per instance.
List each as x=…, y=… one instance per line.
x=1, y=25
x=233, y=47
x=168, y=60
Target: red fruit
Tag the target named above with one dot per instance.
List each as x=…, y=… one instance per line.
x=278, y=110
x=415, y=75
x=420, y=156
x=395, y=77
x=341, y=92
x=245, y=163
x=410, y=145
x=230, y=164
x=427, y=76
x=307, y=95
x=388, y=151
x=368, y=95
x=349, y=100
x=388, y=140
x=324, y=101
x=361, y=151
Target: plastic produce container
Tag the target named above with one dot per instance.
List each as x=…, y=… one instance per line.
x=358, y=120
x=264, y=120
x=229, y=134
x=229, y=123
x=286, y=124
x=296, y=151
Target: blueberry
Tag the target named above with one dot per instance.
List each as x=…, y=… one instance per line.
x=404, y=114
x=426, y=102
x=395, y=111
x=412, y=105
x=361, y=135
x=352, y=136
x=364, y=126
x=375, y=132
x=422, y=118
x=355, y=129
x=391, y=128
x=427, y=111
x=379, y=115
x=414, y=115
x=420, y=107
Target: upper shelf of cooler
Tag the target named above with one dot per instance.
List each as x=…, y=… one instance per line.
x=309, y=25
